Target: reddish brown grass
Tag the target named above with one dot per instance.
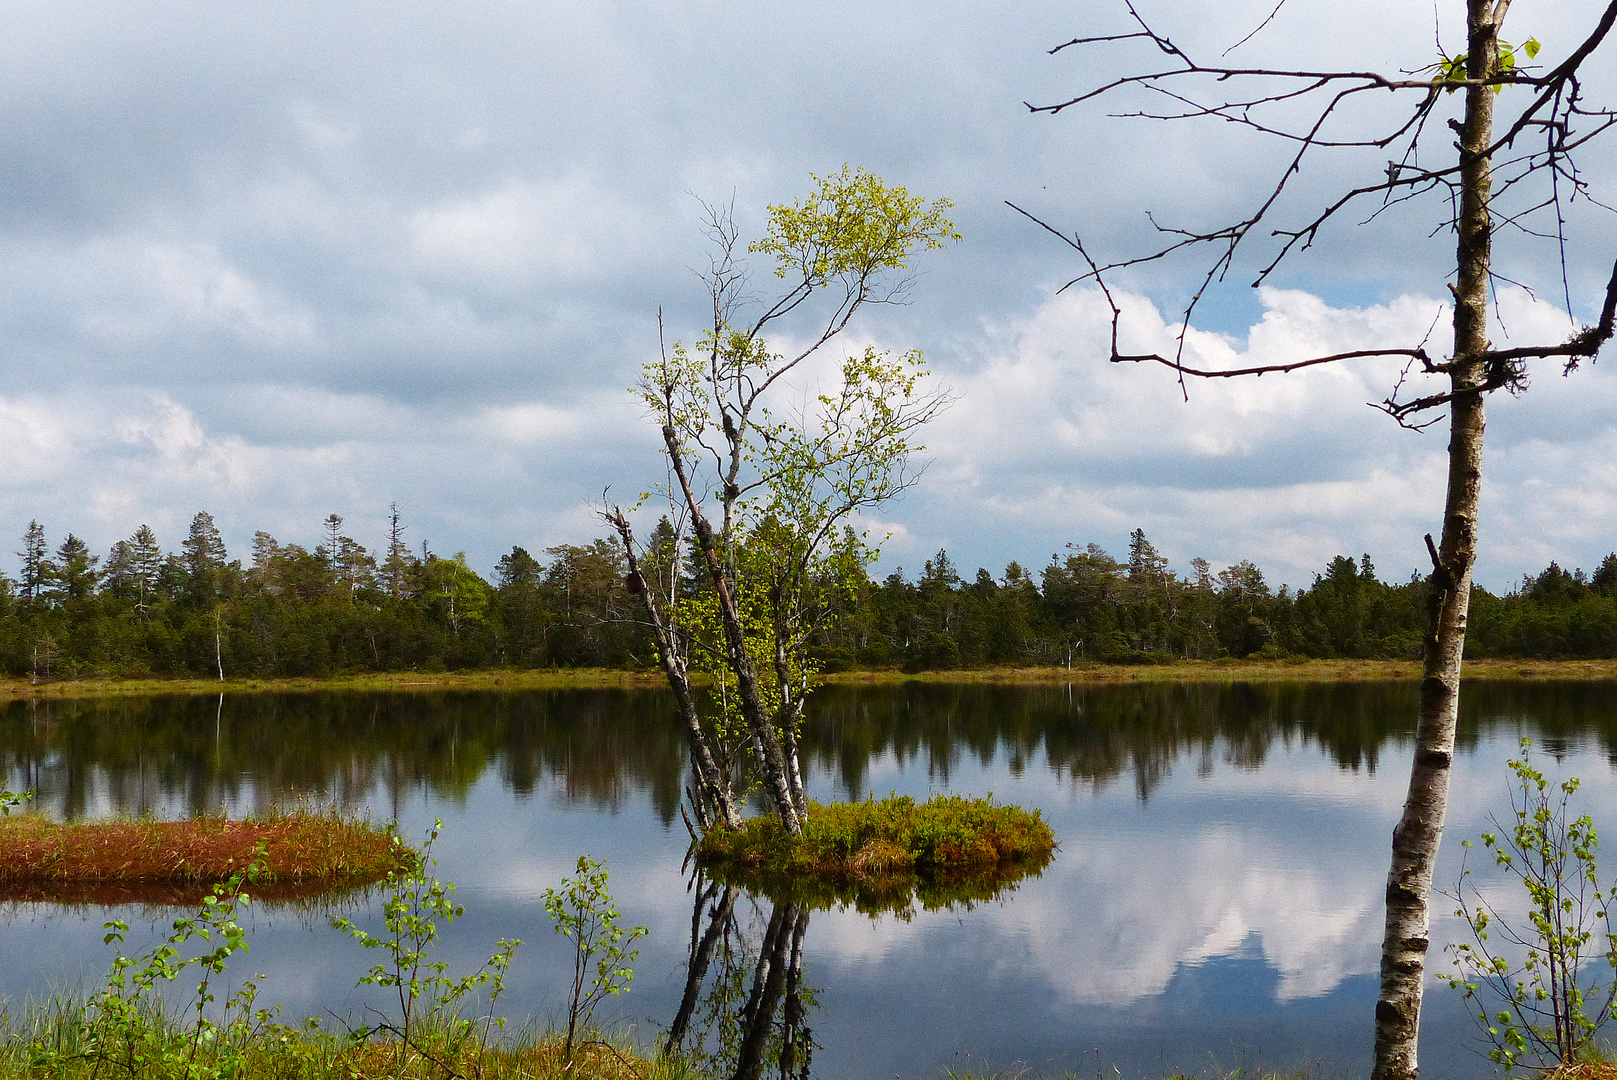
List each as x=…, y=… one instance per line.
x=593, y=1059
x=1588, y=1070
x=177, y=861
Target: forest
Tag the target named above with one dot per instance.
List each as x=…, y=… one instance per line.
x=340, y=608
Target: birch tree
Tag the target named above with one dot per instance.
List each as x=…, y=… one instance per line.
x=1494, y=139
x=763, y=472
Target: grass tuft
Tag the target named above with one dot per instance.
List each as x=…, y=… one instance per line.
x=886, y=855
x=303, y=853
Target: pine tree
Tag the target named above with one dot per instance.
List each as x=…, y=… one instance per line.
x=119, y=578
x=76, y=574
x=399, y=567
x=1146, y=566
x=265, y=548
x=146, y=564
x=204, y=559
x=356, y=569
x=36, y=567
x=332, y=548
x=1605, y=575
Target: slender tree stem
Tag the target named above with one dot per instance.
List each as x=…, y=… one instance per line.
x=1420, y=830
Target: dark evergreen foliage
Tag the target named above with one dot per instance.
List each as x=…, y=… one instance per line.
x=292, y=611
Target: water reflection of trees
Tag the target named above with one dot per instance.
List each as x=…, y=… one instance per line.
x=745, y=1005
x=191, y=754
x=1097, y=733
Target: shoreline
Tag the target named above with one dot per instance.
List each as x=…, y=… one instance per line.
x=1190, y=671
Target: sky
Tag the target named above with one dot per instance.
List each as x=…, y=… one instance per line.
x=278, y=261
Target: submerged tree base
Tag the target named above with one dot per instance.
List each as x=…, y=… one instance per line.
x=884, y=856
x=300, y=855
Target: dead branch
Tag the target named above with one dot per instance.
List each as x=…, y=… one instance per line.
x=1553, y=111
x=1265, y=369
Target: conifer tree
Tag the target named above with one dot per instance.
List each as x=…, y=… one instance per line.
x=204, y=559
x=36, y=566
x=399, y=567
x=76, y=574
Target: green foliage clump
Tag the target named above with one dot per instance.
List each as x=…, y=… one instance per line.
x=1549, y=1007
x=885, y=855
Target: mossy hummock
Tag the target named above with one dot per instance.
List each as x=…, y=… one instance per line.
x=300, y=855
x=885, y=855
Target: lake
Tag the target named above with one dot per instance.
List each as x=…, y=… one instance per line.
x=1215, y=902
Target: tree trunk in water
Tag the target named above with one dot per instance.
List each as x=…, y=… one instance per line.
x=768, y=985
x=711, y=798
x=765, y=740
x=796, y=1045
x=1416, y=837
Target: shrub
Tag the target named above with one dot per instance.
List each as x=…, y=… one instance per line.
x=1551, y=1007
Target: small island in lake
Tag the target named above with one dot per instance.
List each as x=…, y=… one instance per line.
x=884, y=855
x=295, y=856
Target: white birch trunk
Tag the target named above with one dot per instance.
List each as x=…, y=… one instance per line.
x=1419, y=831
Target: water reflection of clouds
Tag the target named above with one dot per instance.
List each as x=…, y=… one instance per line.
x=1203, y=895
x=1219, y=901
x=1207, y=866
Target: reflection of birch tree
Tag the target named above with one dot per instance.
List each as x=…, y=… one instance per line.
x=745, y=1005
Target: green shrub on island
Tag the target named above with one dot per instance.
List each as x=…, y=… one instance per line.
x=885, y=855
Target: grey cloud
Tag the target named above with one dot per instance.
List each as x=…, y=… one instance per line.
x=331, y=234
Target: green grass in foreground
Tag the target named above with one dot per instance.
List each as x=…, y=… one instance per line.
x=63, y=1041
x=885, y=855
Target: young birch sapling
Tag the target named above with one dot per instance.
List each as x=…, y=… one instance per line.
x=583, y=912
x=417, y=904
x=767, y=474
x=1549, y=1006
x=125, y=1031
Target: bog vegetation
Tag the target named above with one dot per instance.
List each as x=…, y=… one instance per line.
x=295, y=855
x=886, y=855
x=290, y=610
x=165, y=1013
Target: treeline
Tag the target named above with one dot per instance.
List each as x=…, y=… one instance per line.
x=289, y=610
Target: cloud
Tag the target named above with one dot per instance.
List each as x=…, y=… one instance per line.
x=1048, y=441
x=412, y=253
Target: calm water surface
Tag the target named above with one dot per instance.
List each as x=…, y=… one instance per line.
x=1215, y=902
